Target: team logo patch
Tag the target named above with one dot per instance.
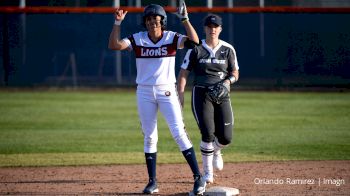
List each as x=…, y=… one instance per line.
x=167, y=93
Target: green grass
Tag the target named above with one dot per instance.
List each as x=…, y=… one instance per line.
x=42, y=128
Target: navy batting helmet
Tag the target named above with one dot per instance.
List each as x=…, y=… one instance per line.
x=154, y=9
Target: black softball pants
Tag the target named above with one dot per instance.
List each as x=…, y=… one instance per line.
x=214, y=120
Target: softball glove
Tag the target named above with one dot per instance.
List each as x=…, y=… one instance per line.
x=218, y=92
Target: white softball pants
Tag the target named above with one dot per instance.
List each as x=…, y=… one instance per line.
x=165, y=98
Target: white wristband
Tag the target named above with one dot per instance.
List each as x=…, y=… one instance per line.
x=232, y=79
x=117, y=22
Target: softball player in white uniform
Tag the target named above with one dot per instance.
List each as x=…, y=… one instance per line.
x=155, y=51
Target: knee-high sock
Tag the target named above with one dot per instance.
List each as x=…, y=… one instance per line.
x=191, y=159
x=207, y=151
x=151, y=162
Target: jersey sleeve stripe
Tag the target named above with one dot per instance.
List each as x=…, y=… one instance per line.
x=186, y=59
x=234, y=53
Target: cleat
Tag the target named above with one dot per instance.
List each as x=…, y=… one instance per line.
x=199, y=185
x=218, y=163
x=208, y=177
x=151, y=187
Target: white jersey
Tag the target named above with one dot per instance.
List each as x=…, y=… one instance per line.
x=155, y=62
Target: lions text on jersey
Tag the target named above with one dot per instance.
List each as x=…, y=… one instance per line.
x=155, y=62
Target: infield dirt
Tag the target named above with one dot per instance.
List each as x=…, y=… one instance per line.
x=252, y=178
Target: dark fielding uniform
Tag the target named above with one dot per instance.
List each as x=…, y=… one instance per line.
x=211, y=66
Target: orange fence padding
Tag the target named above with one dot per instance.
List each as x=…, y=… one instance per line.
x=275, y=9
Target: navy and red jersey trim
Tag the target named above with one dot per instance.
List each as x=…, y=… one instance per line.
x=168, y=50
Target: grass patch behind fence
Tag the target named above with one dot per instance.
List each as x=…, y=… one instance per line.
x=42, y=128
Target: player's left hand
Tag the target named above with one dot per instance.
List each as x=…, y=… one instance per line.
x=219, y=91
x=182, y=12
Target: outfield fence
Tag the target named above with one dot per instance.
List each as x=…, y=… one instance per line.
x=276, y=46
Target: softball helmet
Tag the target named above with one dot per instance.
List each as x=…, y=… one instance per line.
x=154, y=9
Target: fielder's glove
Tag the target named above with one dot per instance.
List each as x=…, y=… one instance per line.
x=218, y=92
x=182, y=12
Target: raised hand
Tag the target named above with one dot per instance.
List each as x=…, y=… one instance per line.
x=182, y=12
x=119, y=15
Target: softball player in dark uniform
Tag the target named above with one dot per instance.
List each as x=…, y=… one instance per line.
x=212, y=62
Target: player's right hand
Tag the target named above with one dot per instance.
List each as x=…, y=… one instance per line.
x=181, y=99
x=119, y=15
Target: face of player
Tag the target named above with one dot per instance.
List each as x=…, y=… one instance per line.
x=153, y=23
x=212, y=31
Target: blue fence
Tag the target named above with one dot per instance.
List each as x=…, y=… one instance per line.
x=273, y=49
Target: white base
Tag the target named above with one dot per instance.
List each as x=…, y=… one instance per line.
x=221, y=191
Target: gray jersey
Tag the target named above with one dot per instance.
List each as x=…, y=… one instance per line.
x=211, y=66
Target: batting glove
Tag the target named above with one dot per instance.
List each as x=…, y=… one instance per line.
x=182, y=12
